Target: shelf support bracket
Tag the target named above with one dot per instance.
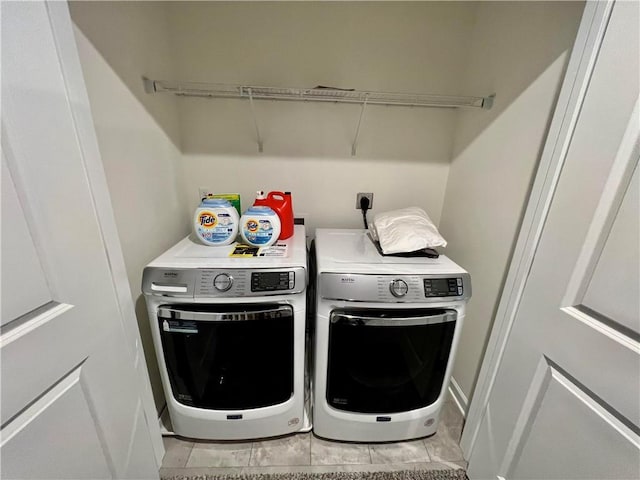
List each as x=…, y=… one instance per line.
x=255, y=120
x=487, y=102
x=355, y=138
x=149, y=85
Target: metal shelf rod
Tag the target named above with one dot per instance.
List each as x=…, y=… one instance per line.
x=191, y=89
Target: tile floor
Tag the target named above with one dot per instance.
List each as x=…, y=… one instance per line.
x=304, y=452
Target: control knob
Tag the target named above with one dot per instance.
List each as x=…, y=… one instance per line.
x=222, y=282
x=398, y=288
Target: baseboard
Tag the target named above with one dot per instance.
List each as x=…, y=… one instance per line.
x=458, y=396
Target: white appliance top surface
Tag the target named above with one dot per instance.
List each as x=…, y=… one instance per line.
x=191, y=253
x=352, y=251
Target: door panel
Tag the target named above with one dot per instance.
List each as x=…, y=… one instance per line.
x=599, y=357
x=24, y=287
x=560, y=422
x=614, y=286
x=33, y=346
x=71, y=398
x=60, y=415
x=565, y=399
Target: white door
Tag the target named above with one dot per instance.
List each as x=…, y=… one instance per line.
x=71, y=396
x=566, y=399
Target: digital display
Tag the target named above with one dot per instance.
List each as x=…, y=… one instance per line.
x=443, y=287
x=269, y=281
x=268, y=278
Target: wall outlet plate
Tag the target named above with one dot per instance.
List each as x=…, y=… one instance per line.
x=369, y=195
x=301, y=218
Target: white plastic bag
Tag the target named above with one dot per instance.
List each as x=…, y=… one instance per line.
x=406, y=230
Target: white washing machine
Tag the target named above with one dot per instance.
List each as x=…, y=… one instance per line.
x=229, y=333
x=386, y=335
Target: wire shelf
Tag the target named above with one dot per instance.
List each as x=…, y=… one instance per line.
x=317, y=94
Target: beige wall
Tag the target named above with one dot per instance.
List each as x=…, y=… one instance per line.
x=118, y=42
x=403, y=154
x=323, y=190
x=520, y=51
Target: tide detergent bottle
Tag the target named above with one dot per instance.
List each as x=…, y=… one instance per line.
x=260, y=226
x=215, y=222
x=281, y=203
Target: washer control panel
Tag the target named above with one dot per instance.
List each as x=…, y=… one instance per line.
x=272, y=281
x=216, y=283
x=249, y=282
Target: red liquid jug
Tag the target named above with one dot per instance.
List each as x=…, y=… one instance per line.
x=280, y=202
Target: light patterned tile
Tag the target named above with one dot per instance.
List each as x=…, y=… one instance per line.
x=456, y=433
x=450, y=415
x=177, y=451
x=444, y=446
x=289, y=450
x=219, y=454
x=325, y=452
x=399, y=452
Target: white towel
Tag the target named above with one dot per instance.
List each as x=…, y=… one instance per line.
x=406, y=230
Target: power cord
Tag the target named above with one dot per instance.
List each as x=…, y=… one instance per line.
x=364, y=206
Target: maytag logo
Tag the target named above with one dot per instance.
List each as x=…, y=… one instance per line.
x=170, y=274
x=347, y=280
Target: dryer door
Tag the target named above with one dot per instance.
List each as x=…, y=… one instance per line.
x=228, y=357
x=387, y=360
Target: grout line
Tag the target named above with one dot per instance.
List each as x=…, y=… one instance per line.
x=424, y=444
x=186, y=462
x=310, y=446
x=370, y=454
x=426, y=450
x=250, y=454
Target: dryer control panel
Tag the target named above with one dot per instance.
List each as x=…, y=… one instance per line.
x=443, y=287
x=395, y=288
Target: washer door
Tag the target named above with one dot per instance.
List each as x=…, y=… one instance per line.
x=228, y=357
x=387, y=360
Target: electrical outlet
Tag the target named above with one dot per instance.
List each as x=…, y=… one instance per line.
x=369, y=195
x=203, y=192
x=300, y=218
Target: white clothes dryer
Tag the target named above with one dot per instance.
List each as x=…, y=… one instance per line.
x=386, y=335
x=229, y=334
